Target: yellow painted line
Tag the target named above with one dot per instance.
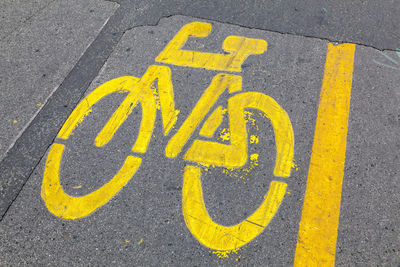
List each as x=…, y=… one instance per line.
x=316, y=243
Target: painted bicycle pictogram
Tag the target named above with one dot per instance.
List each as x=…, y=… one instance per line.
x=201, y=152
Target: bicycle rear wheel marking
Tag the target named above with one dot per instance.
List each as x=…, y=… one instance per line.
x=219, y=237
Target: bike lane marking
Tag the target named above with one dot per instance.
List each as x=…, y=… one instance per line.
x=316, y=242
x=209, y=233
x=334, y=70
x=268, y=242
x=218, y=241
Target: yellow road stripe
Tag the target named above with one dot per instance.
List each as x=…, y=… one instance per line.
x=316, y=243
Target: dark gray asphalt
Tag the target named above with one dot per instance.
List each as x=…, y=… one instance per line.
x=150, y=208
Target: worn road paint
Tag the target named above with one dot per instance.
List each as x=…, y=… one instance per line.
x=219, y=237
x=316, y=243
x=142, y=93
x=237, y=47
x=161, y=97
x=213, y=122
x=235, y=155
x=121, y=84
x=218, y=85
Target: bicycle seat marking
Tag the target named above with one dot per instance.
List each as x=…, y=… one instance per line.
x=200, y=153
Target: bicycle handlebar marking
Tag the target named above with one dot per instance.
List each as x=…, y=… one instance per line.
x=238, y=47
x=235, y=155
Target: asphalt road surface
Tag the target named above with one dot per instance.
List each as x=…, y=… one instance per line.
x=217, y=133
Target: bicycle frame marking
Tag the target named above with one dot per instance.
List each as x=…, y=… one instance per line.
x=207, y=232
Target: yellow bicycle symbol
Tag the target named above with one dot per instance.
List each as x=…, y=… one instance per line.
x=235, y=155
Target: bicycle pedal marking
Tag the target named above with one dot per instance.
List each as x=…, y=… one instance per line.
x=233, y=155
x=237, y=47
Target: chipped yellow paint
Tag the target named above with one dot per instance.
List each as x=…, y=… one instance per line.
x=218, y=85
x=316, y=243
x=242, y=173
x=225, y=135
x=212, y=123
x=219, y=237
x=225, y=254
x=140, y=241
x=249, y=118
x=39, y=105
x=240, y=258
x=15, y=121
x=238, y=48
x=77, y=187
x=295, y=166
x=234, y=155
x=254, y=157
x=127, y=241
x=253, y=139
x=156, y=96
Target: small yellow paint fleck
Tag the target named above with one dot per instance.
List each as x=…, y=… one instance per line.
x=140, y=241
x=254, y=157
x=295, y=165
x=249, y=117
x=77, y=187
x=156, y=96
x=127, y=241
x=15, y=121
x=39, y=105
x=253, y=139
x=288, y=193
x=225, y=253
x=225, y=135
x=241, y=173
